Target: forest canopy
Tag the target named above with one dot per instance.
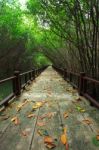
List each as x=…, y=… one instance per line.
x=39, y=32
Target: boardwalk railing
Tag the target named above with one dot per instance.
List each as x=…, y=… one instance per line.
x=86, y=86
x=18, y=82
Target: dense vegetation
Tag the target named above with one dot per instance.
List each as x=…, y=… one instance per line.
x=20, y=36
x=66, y=32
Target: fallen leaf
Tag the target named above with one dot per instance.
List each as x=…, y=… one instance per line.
x=50, y=145
x=48, y=139
x=48, y=115
x=97, y=137
x=37, y=105
x=24, y=133
x=40, y=132
x=87, y=121
x=51, y=114
x=49, y=142
x=19, y=107
x=31, y=115
x=66, y=115
x=15, y=120
x=80, y=109
x=41, y=124
x=43, y=116
x=63, y=139
x=64, y=136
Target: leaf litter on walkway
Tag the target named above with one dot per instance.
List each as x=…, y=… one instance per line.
x=19, y=107
x=49, y=142
x=66, y=114
x=47, y=115
x=41, y=124
x=38, y=104
x=64, y=139
x=15, y=120
x=30, y=115
x=87, y=121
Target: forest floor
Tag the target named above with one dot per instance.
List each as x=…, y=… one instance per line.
x=49, y=114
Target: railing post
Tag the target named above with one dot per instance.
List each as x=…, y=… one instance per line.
x=81, y=83
x=65, y=74
x=33, y=73
x=17, y=83
x=30, y=76
x=70, y=77
x=25, y=78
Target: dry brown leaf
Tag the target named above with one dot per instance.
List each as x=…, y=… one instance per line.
x=41, y=124
x=97, y=137
x=48, y=115
x=39, y=132
x=49, y=142
x=50, y=145
x=48, y=139
x=24, y=133
x=19, y=107
x=51, y=114
x=15, y=120
x=31, y=115
x=43, y=116
x=87, y=121
x=66, y=115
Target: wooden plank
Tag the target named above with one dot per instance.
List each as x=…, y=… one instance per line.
x=60, y=96
x=12, y=138
x=79, y=135
x=53, y=127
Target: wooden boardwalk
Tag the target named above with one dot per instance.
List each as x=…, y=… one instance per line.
x=52, y=105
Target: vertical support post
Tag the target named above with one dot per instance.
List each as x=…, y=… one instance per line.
x=26, y=78
x=30, y=76
x=33, y=73
x=37, y=72
x=81, y=83
x=70, y=77
x=17, y=83
x=65, y=74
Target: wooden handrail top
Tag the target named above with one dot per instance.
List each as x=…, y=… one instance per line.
x=76, y=74
x=25, y=72
x=7, y=79
x=90, y=79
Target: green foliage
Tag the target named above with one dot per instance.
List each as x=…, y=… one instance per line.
x=41, y=60
x=64, y=31
x=20, y=38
